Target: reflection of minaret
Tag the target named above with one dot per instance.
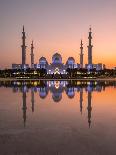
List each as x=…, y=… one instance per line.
x=32, y=55
x=24, y=108
x=23, y=48
x=81, y=101
x=89, y=108
x=90, y=46
x=32, y=99
x=81, y=55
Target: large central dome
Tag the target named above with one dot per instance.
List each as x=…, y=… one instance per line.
x=56, y=58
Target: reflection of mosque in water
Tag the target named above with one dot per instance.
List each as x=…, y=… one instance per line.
x=56, y=88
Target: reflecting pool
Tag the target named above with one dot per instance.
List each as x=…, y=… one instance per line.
x=58, y=118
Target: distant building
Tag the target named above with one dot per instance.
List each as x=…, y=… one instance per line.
x=57, y=66
x=89, y=66
x=36, y=66
x=98, y=66
x=16, y=66
x=20, y=66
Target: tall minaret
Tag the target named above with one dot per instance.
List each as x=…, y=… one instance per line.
x=81, y=55
x=90, y=46
x=32, y=55
x=23, y=48
x=89, y=108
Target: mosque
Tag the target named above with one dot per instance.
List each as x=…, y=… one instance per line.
x=57, y=66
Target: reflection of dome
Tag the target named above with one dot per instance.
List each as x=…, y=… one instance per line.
x=57, y=97
x=43, y=93
x=70, y=92
x=70, y=60
x=56, y=58
x=42, y=60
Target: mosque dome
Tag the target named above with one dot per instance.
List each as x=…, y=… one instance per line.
x=70, y=60
x=43, y=60
x=56, y=58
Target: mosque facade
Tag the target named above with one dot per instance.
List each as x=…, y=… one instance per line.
x=57, y=66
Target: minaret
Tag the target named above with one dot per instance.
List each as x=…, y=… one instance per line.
x=23, y=48
x=32, y=55
x=89, y=108
x=81, y=55
x=90, y=46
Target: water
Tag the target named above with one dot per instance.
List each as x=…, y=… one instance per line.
x=58, y=118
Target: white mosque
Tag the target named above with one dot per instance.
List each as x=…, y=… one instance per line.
x=57, y=66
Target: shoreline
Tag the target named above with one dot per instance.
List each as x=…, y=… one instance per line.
x=86, y=79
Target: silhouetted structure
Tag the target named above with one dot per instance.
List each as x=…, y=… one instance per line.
x=23, y=48
x=32, y=55
x=90, y=46
x=81, y=55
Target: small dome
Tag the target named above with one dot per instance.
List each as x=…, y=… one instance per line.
x=70, y=60
x=42, y=60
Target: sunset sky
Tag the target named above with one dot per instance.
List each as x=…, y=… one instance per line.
x=58, y=26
